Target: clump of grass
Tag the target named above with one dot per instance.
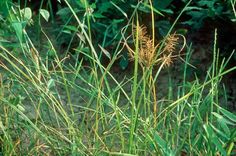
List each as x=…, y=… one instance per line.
x=148, y=56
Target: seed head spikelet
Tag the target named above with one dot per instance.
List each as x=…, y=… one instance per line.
x=147, y=52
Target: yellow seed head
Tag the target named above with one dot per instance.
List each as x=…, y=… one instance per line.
x=147, y=53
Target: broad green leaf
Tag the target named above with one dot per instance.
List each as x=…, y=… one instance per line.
x=160, y=4
x=163, y=145
x=207, y=3
x=163, y=27
x=228, y=114
x=219, y=146
x=71, y=27
x=98, y=15
x=45, y=14
x=220, y=117
x=26, y=13
x=4, y=5
x=63, y=11
x=103, y=7
x=196, y=14
x=212, y=137
x=17, y=26
x=116, y=21
x=223, y=134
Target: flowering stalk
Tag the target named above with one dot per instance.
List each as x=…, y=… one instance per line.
x=148, y=56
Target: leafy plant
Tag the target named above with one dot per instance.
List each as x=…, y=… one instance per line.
x=209, y=9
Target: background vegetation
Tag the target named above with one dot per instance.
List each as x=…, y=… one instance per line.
x=117, y=77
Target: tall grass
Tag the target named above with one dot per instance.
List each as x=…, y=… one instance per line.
x=62, y=107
